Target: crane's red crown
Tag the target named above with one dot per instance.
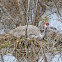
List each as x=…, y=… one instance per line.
x=46, y=23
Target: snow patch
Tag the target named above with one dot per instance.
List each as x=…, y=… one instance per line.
x=51, y=58
x=9, y=58
x=55, y=20
x=57, y=58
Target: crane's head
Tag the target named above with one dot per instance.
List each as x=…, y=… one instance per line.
x=46, y=24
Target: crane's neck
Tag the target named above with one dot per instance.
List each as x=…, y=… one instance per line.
x=44, y=33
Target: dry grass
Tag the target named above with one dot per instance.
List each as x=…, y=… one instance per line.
x=28, y=50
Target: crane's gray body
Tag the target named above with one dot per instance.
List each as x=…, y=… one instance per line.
x=32, y=32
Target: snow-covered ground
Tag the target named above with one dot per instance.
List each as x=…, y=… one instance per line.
x=9, y=58
x=57, y=58
x=50, y=58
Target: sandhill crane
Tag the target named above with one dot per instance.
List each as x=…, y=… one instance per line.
x=32, y=31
